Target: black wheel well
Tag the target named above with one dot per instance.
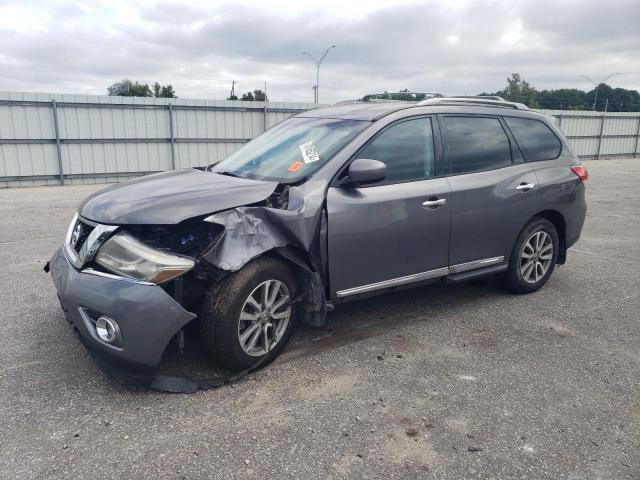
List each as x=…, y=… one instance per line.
x=558, y=221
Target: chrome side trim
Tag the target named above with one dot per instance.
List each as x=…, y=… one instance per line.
x=417, y=277
x=439, y=272
x=484, y=262
x=98, y=273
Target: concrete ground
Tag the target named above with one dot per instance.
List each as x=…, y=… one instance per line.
x=442, y=382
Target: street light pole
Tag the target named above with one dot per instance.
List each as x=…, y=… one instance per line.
x=317, y=64
x=596, y=85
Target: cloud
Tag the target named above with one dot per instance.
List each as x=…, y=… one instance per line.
x=460, y=47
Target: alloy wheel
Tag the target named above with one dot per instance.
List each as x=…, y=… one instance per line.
x=264, y=318
x=536, y=256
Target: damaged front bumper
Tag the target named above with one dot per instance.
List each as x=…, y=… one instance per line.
x=146, y=317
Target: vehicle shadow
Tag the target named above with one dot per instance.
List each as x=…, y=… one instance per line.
x=347, y=324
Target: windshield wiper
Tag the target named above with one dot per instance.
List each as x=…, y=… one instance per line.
x=229, y=174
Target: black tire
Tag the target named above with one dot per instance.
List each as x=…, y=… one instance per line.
x=513, y=279
x=223, y=303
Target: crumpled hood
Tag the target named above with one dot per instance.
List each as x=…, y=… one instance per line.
x=171, y=197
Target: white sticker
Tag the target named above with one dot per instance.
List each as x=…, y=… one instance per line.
x=309, y=152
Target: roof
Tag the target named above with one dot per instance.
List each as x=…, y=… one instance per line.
x=358, y=110
x=372, y=111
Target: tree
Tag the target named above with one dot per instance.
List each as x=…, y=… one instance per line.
x=259, y=96
x=136, y=89
x=255, y=96
x=613, y=99
x=562, y=99
x=167, y=91
x=519, y=90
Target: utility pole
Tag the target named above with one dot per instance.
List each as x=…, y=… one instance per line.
x=233, y=90
x=596, y=85
x=317, y=64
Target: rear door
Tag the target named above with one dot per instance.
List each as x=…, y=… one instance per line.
x=384, y=234
x=493, y=191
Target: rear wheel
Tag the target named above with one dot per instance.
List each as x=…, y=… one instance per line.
x=249, y=315
x=534, y=257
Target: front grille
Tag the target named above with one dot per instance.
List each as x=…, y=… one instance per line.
x=82, y=234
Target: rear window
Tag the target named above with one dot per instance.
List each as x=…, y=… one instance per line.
x=476, y=144
x=536, y=140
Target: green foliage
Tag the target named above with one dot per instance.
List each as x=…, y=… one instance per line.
x=614, y=99
x=519, y=90
x=137, y=89
x=167, y=92
x=255, y=96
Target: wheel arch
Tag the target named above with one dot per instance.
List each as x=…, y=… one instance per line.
x=311, y=283
x=558, y=221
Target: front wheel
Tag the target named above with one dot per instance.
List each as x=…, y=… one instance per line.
x=534, y=257
x=249, y=315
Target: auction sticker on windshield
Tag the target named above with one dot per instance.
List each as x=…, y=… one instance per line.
x=309, y=152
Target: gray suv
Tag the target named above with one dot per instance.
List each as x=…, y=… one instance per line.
x=328, y=206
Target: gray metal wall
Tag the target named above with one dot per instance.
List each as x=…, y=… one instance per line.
x=47, y=139
x=97, y=139
x=595, y=135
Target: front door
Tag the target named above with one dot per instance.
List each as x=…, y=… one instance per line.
x=395, y=232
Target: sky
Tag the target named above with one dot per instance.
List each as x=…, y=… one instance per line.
x=200, y=47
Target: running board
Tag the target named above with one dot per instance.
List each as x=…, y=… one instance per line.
x=454, y=272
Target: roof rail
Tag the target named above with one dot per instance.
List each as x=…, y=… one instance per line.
x=399, y=96
x=480, y=100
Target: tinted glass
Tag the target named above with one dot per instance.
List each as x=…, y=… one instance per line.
x=536, y=140
x=292, y=149
x=407, y=150
x=476, y=144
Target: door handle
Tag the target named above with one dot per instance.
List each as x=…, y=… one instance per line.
x=434, y=203
x=525, y=187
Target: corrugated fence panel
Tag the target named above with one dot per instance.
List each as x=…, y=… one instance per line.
x=103, y=158
x=202, y=154
x=25, y=160
x=108, y=139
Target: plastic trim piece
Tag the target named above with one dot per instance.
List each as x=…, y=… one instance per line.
x=418, y=277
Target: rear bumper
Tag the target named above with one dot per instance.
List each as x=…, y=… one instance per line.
x=147, y=316
x=575, y=217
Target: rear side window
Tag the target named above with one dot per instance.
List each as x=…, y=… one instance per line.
x=476, y=144
x=407, y=150
x=535, y=139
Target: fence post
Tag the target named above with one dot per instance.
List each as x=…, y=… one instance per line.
x=264, y=115
x=173, y=138
x=560, y=122
x=57, y=131
x=600, y=136
x=635, y=150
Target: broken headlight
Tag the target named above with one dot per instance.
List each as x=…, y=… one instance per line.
x=124, y=255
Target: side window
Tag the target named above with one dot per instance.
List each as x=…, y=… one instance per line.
x=407, y=150
x=535, y=139
x=476, y=144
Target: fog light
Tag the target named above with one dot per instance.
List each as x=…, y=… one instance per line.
x=107, y=329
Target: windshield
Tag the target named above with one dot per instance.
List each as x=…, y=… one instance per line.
x=291, y=150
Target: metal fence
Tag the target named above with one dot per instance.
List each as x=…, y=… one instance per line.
x=595, y=135
x=48, y=139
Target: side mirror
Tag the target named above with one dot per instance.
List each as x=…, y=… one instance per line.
x=364, y=171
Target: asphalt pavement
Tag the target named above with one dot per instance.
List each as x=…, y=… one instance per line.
x=439, y=382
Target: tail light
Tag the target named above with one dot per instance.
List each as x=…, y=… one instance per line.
x=581, y=172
